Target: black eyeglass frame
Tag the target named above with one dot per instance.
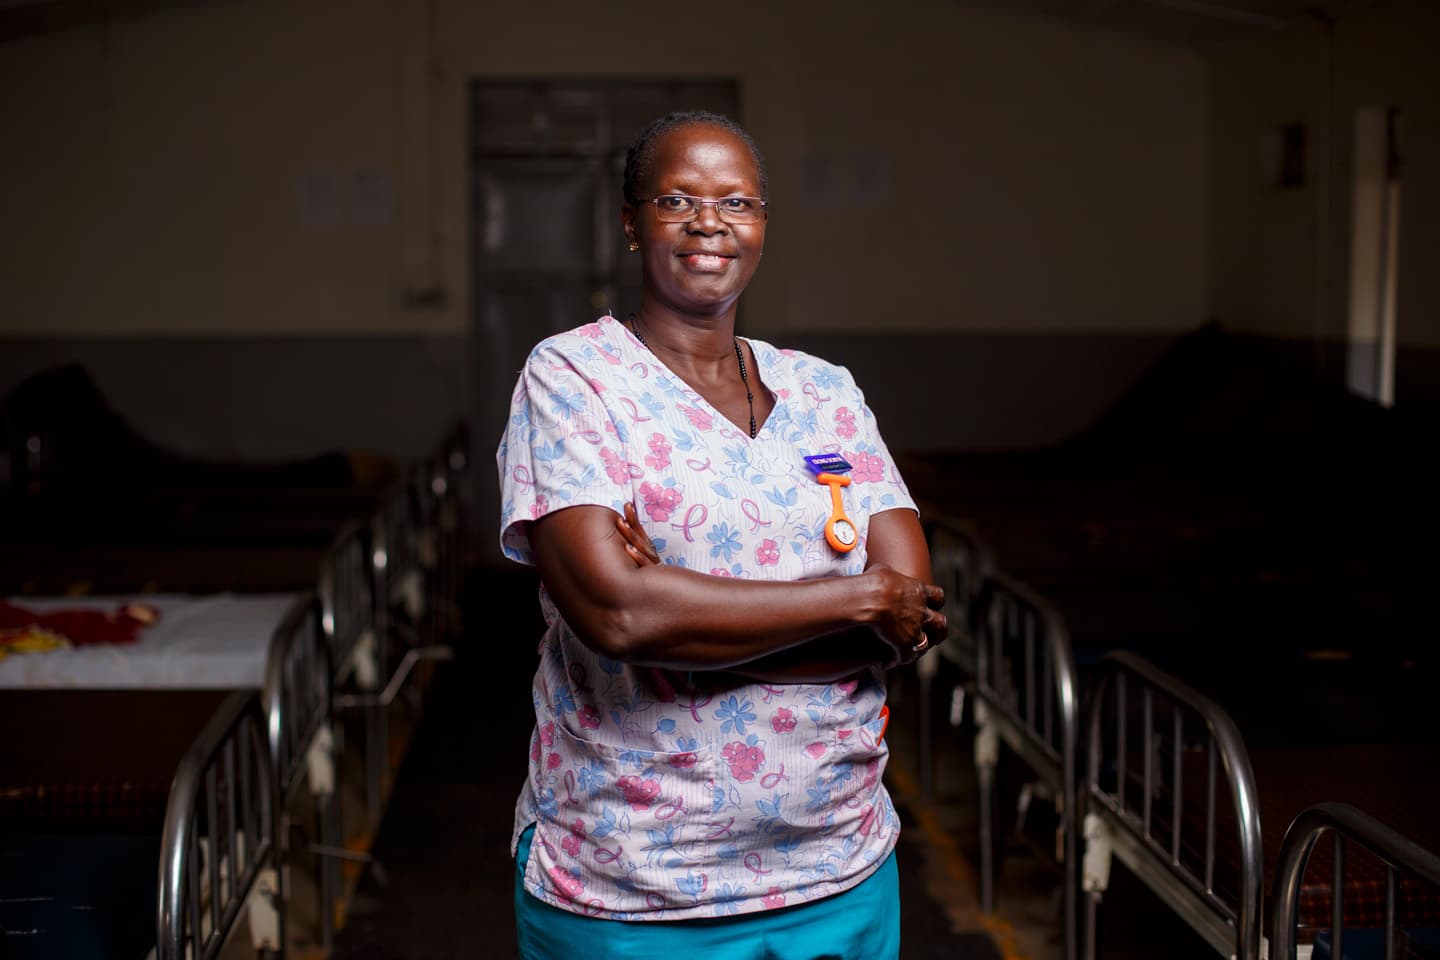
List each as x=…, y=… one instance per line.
x=699, y=203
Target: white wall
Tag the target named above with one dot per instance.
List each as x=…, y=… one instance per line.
x=1043, y=178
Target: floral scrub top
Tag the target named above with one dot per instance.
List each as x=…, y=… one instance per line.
x=665, y=795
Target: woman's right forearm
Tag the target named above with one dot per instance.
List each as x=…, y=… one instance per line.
x=666, y=616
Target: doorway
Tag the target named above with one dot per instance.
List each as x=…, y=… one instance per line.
x=547, y=250
x=1374, y=255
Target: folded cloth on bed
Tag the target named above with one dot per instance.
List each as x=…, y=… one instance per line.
x=29, y=631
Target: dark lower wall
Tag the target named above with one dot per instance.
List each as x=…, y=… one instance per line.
x=280, y=397
x=267, y=398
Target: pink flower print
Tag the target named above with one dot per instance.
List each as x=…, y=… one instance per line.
x=535, y=751
x=637, y=792
x=589, y=717
x=659, y=502
x=845, y=422
x=570, y=886
x=844, y=734
x=619, y=469
x=552, y=762
x=868, y=468
x=773, y=899
x=698, y=418
x=683, y=761
x=721, y=572
x=848, y=687
x=867, y=819
x=817, y=749
x=547, y=734
x=782, y=720
x=540, y=507
x=590, y=331
x=745, y=760
x=574, y=838
x=783, y=393
x=659, y=457
x=767, y=553
x=872, y=773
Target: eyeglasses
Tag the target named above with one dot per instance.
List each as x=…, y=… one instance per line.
x=678, y=208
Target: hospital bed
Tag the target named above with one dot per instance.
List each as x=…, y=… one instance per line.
x=104, y=725
x=1173, y=792
x=1406, y=867
x=1151, y=741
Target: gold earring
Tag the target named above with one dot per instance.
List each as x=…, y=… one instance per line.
x=634, y=246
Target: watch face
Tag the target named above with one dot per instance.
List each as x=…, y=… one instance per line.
x=844, y=532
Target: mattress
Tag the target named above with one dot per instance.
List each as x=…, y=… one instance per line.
x=217, y=641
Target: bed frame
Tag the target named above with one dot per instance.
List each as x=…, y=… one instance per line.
x=1346, y=823
x=249, y=762
x=1140, y=817
x=219, y=845
x=1026, y=696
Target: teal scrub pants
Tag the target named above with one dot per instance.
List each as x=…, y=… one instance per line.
x=863, y=923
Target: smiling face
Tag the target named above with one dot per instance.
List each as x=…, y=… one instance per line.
x=698, y=268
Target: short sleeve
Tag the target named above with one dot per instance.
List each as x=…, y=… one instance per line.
x=874, y=473
x=561, y=447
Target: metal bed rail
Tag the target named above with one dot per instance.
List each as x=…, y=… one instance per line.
x=347, y=608
x=218, y=847
x=959, y=563
x=1345, y=822
x=297, y=700
x=1165, y=862
x=1026, y=694
x=447, y=474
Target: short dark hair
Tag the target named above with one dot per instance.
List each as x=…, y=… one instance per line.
x=642, y=151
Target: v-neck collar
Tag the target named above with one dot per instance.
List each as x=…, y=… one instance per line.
x=649, y=356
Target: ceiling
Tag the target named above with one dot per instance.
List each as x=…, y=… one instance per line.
x=1198, y=24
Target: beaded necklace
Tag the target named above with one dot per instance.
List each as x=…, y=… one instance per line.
x=739, y=358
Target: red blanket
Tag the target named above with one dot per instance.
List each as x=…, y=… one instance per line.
x=78, y=627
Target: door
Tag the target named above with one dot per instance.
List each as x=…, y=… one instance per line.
x=549, y=254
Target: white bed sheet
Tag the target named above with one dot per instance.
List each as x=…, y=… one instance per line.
x=216, y=641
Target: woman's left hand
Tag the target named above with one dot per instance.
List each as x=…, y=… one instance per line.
x=637, y=541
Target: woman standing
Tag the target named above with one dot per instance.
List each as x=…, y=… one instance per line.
x=706, y=764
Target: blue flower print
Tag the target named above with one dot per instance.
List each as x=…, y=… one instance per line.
x=735, y=713
x=692, y=884
x=826, y=378
x=592, y=776
x=565, y=404
x=546, y=803
x=639, y=759
x=726, y=898
x=724, y=541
